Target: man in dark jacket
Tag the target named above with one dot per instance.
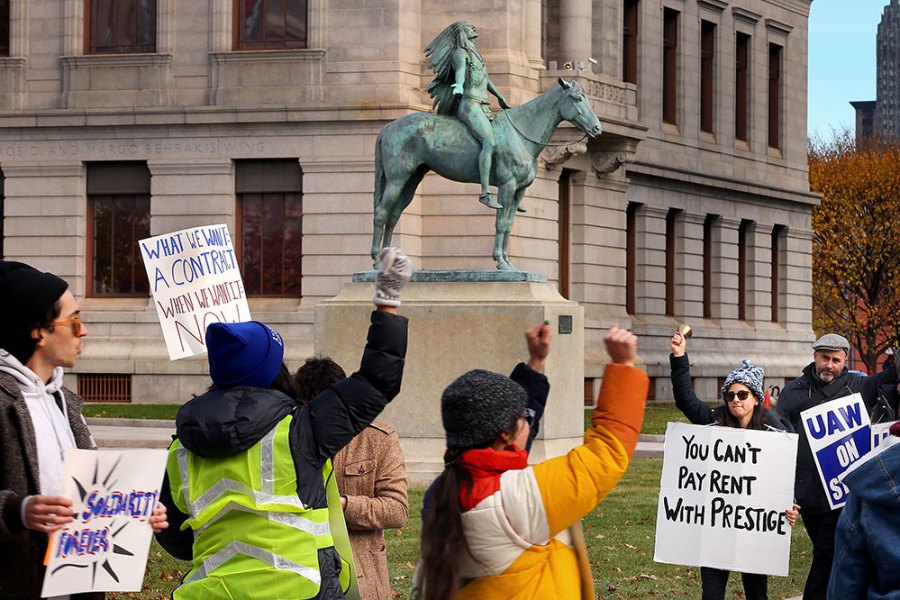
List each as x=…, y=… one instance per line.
x=823, y=380
x=250, y=472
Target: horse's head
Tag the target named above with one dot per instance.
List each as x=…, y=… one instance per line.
x=576, y=108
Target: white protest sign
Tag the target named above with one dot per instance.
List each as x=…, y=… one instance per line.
x=880, y=432
x=105, y=548
x=195, y=280
x=839, y=434
x=723, y=496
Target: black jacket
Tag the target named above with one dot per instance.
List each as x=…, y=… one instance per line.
x=699, y=412
x=806, y=392
x=225, y=422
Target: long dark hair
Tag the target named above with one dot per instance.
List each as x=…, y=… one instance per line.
x=443, y=539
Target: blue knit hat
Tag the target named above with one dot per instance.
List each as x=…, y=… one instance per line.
x=248, y=353
x=750, y=375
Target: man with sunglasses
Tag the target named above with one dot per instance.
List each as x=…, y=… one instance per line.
x=39, y=419
x=823, y=380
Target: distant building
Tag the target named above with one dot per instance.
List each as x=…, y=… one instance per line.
x=865, y=120
x=887, y=60
x=881, y=117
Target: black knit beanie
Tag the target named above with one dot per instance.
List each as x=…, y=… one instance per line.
x=478, y=406
x=26, y=296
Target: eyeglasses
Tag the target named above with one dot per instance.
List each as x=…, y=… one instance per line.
x=74, y=323
x=742, y=395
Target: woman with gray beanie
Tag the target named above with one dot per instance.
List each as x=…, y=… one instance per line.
x=499, y=528
x=742, y=407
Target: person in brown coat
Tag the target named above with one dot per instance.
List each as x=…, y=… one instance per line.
x=371, y=476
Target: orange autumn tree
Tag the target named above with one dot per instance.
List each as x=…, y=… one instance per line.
x=856, y=243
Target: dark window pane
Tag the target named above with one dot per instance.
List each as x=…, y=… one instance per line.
x=119, y=222
x=267, y=24
x=271, y=243
x=629, y=41
x=4, y=27
x=670, y=66
x=742, y=85
x=121, y=26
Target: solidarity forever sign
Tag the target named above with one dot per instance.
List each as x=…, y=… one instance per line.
x=839, y=435
x=105, y=548
x=723, y=496
x=195, y=280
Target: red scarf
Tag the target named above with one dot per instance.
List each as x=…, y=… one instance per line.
x=486, y=465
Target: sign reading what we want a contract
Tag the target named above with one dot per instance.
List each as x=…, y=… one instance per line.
x=723, y=496
x=195, y=281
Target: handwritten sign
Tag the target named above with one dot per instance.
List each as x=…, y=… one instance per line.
x=195, y=280
x=839, y=434
x=105, y=548
x=723, y=496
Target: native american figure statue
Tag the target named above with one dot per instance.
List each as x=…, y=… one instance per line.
x=460, y=89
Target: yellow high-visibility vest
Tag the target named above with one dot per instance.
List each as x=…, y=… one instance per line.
x=253, y=536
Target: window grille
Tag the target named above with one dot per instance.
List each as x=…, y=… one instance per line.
x=104, y=387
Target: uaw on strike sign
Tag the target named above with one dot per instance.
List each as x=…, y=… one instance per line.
x=839, y=434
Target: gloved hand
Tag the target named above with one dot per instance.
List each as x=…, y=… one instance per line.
x=396, y=269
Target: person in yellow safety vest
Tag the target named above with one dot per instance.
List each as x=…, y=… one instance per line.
x=249, y=485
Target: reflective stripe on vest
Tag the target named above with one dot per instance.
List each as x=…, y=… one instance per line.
x=238, y=506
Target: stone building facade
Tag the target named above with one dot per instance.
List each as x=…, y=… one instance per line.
x=693, y=205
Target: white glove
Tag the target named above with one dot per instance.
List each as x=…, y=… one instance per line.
x=396, y=269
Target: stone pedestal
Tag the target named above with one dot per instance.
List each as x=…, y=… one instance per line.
x=461, y=320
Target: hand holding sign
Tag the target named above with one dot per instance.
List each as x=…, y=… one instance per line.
x=47, y=513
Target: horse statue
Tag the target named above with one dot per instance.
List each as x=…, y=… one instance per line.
x=406, y=149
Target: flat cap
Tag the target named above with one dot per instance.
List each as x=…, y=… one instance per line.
x=833, y=342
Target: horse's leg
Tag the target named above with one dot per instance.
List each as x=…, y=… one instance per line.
x=406, y=196
x=383, y=224
x=514, y=207
x=504, y=222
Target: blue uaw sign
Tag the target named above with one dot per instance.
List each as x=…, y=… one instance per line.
x=839, y=434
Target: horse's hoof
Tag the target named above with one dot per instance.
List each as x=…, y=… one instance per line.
x=488, y=200
x=520, y=209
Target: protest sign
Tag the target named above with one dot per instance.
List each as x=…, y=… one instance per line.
x=723, y=496
x=105, y=548
x=839, y=434
x=880, y=431
x=195, y=281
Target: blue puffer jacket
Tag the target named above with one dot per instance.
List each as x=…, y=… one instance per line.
x=867, y=543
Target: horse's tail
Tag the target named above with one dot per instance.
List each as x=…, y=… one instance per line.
x=380, y=177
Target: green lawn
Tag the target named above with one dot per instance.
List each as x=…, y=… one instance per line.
x=655, y=418
x=619, y=534
x=131, y=411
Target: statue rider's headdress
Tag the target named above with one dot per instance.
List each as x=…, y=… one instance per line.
x=440, y=60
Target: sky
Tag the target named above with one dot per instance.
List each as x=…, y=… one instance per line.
x=841, y=61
